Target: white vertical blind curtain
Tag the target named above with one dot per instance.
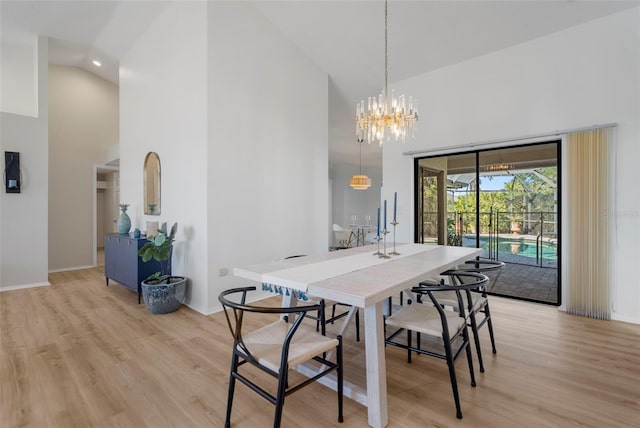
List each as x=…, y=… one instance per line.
x=588, y=223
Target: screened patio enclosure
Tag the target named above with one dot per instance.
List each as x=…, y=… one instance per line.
x=504, y=201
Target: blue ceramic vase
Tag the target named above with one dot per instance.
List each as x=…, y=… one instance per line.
x=124, y=222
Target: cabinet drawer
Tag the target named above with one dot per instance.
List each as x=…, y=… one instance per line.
x=127, y=265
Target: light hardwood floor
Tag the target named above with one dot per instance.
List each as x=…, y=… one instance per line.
x=82, y=354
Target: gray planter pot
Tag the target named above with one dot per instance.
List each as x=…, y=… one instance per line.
x=164, y=298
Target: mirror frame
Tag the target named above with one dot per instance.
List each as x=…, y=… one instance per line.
x=152, y=186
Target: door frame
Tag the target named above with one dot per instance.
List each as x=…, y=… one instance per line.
x=97, y=168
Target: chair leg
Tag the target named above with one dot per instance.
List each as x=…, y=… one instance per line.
x=232, y=384
x=452, y=376
x=409, y=346
x=340, y=379
x=357, y=325
x=476, y=339
x=465, y=335
x=282, y=385
x=490, y=325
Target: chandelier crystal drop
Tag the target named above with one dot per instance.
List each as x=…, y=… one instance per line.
x=395, y=117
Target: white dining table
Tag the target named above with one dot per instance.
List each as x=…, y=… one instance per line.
x=358, y=278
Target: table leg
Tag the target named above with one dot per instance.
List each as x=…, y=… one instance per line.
x=289, y=300
x=376, y=366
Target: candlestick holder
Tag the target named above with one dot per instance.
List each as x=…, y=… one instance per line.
x=384, y=245
x=394, y=252
x=378, y=253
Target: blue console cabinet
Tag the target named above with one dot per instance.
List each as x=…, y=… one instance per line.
x=122, y=263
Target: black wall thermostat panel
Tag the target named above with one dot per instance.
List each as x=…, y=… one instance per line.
x=12, y=172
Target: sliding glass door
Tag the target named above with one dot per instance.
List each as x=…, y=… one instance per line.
x=504, y=201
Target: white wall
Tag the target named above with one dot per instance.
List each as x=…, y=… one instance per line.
x=163, y=108
x=268, y=139
x=588, y=74
x=83, y=123
x=231, y=137
x=19, y=72
x=23, y=216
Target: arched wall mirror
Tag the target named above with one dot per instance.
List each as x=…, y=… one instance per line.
x=152, y=184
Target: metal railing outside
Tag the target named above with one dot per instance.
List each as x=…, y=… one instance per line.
x=499, y=228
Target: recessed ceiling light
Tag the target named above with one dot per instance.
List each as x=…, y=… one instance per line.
x=97, y=63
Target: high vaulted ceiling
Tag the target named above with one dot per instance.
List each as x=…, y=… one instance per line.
x=345, y=38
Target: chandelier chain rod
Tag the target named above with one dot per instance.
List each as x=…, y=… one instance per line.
x=386, y=60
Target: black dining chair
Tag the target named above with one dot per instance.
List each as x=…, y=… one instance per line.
x=277, y=347
x=447, y=328
x=478, y=312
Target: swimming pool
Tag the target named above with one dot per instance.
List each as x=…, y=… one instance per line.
x=522, y=247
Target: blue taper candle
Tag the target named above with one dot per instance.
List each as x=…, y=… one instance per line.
x=385, y=214
x=395, y=205
x=378, y=222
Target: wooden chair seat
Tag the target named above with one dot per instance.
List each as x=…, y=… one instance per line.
x=425, y=319
x=449, y=298
x=265, y=344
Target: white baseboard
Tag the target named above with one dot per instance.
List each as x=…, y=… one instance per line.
x=614, y=317
x=20, y=287
x=631, y=320
x=72, y=268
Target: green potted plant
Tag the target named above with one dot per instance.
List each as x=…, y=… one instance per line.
x=162, y=292
x=454, y=239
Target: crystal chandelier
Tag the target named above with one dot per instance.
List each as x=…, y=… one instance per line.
x=360, y=181
x=397, y=116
